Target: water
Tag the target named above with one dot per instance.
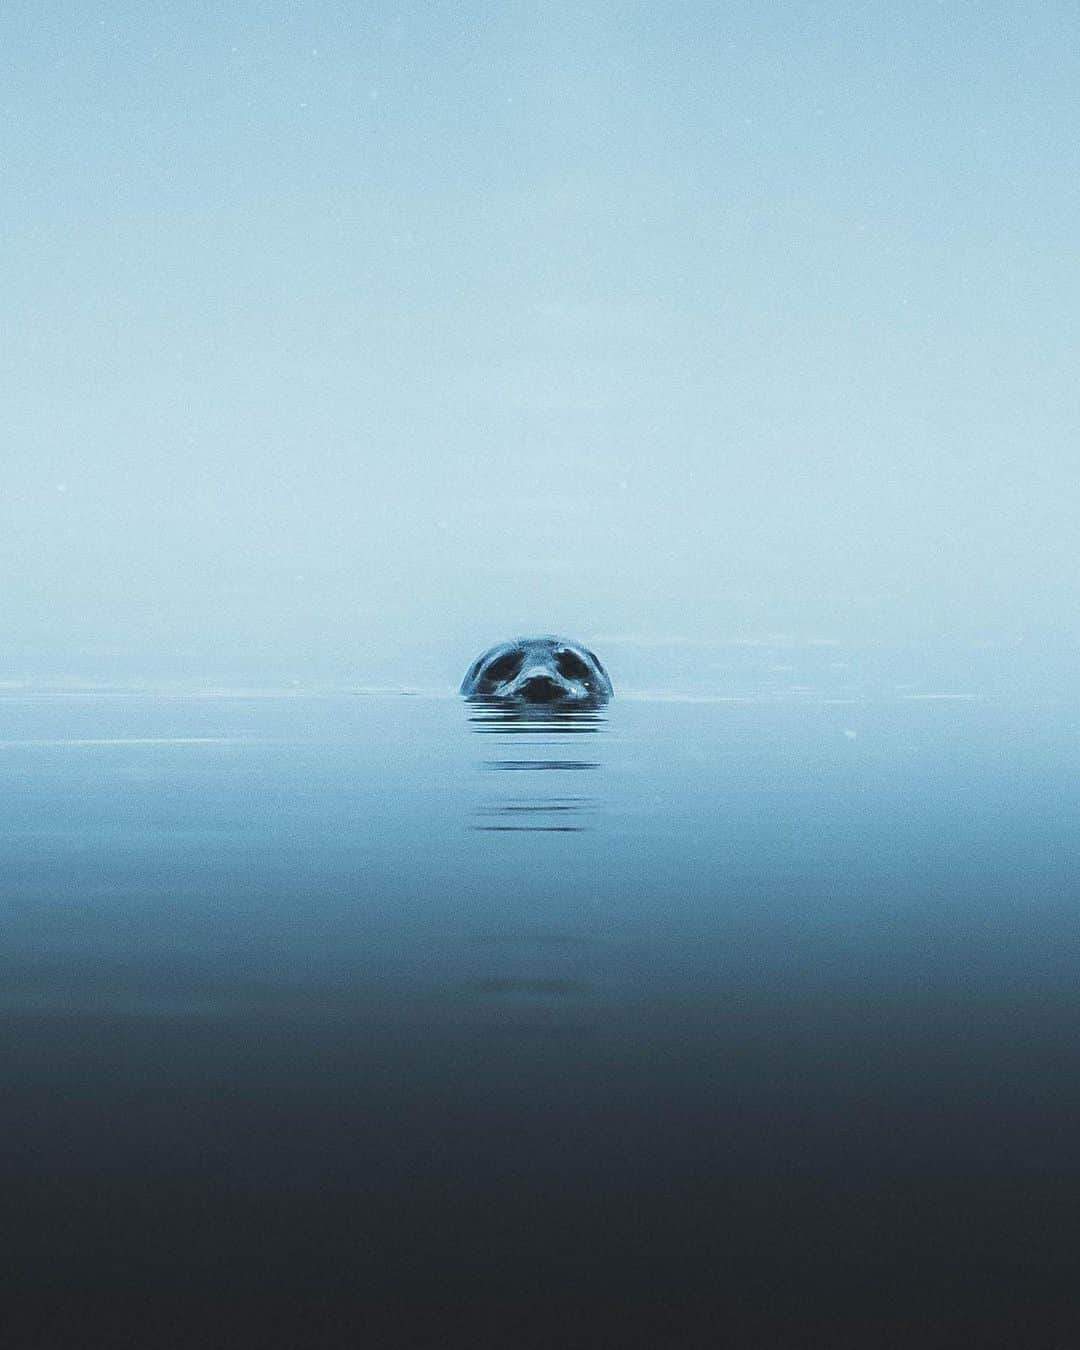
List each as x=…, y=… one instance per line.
x=386, y=1021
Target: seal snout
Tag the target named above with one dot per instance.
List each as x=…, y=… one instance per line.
x=541, y=688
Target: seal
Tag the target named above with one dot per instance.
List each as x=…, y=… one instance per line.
x=538, y=670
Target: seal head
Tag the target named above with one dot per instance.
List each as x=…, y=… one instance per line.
x=551, y=670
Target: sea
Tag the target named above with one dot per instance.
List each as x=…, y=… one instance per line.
x=746, y=1017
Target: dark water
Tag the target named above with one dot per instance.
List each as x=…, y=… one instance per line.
x=377, y=1021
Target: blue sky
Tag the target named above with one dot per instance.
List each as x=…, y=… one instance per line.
x=335, y=332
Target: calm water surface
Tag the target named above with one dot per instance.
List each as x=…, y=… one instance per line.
x=388, y=1021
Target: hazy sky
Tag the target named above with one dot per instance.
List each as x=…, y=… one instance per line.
x=332, y=329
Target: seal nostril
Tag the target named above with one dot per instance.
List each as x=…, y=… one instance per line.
x=542, y=689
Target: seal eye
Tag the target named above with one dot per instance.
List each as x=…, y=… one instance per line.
x=504, y=667
x=571, y=666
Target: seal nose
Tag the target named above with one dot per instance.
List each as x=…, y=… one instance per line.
x=542, y=689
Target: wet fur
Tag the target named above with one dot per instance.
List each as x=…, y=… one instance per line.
x=538, y=670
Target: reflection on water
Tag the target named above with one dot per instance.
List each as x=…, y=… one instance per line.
x=526, y=815
x=538, y=984
x=530, y=764
x=534, y=728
